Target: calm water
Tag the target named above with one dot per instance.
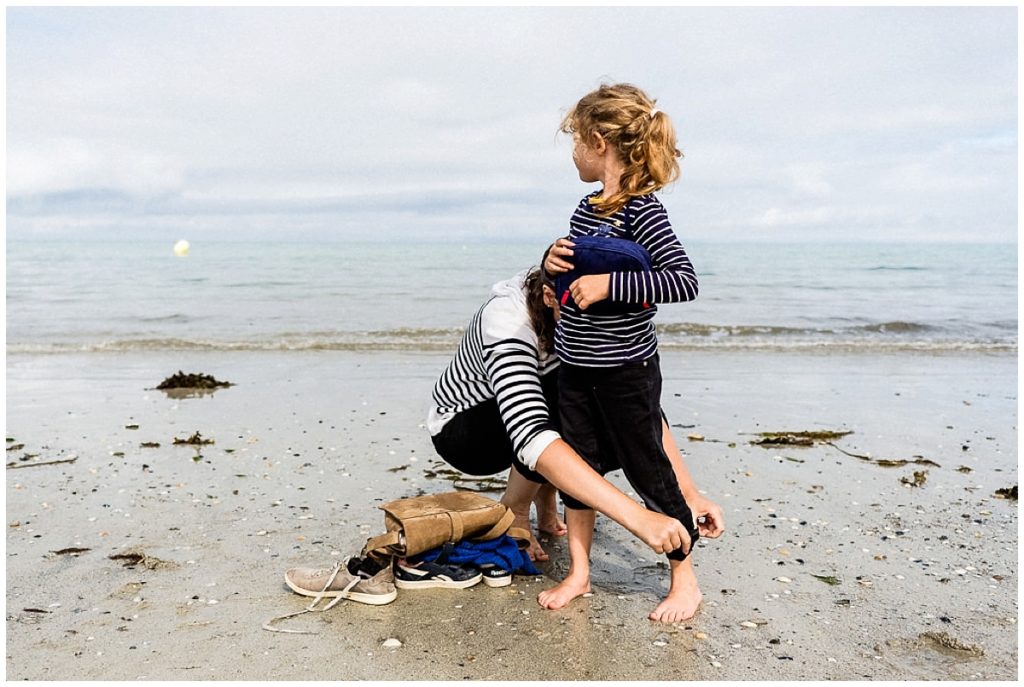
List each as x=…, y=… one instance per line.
x=95, y=296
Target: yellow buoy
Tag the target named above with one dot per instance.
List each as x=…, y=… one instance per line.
x=181, y=248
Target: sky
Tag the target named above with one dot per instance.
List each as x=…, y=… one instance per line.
x=797, y=124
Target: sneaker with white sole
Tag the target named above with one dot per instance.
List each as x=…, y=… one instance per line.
x=359, y=579
x=426, y=575
x=495, y=576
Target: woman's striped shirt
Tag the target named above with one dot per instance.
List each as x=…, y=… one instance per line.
x=611, y=340
x=499, y=358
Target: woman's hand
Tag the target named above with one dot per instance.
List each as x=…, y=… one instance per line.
x=708, y=516
x=590, y=289
x=660, y=532
x=556, y=262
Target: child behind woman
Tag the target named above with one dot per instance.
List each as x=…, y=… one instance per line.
x=609, y=376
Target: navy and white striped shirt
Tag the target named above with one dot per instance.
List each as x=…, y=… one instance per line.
x=611, y=340
x=499, y=358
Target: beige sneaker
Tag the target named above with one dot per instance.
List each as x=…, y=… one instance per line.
x=362, y=580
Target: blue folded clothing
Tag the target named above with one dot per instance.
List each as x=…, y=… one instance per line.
x=502, y=552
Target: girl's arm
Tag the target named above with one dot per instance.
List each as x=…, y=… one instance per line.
x=673, y=279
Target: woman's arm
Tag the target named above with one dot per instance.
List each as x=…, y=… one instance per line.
x=563, y=467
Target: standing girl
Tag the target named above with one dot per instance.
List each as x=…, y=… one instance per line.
x=609, y=376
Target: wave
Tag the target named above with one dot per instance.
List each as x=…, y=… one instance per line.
x=437, y=340
x=176, y=317
x=894, y=268
x=740, y=331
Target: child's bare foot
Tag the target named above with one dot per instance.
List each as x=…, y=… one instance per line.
x=683, y=598
x=567, y=590
x=677, y=607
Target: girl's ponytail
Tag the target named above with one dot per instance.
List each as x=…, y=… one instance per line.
x=627, y=119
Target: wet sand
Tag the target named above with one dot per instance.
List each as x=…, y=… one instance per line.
x=307, y=444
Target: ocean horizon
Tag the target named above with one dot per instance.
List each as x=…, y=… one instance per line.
x=107, y=296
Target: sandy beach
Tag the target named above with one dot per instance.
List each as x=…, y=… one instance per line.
x=831, y=568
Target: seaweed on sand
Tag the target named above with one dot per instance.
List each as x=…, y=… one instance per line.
x=801, y=438
x=136, y=556
x=1007, y=493
x=191, y=381
x=888, y=462
x=917, y=480
x=463, y=482
x=194, y=440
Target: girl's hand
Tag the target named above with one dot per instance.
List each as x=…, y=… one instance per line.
x=590, y=289
x=708, y=515
x=556, y=262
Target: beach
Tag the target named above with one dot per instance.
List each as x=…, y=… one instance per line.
x=317, y=206
x=831, y=567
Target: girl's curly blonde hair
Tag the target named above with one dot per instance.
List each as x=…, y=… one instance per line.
x=626, y=118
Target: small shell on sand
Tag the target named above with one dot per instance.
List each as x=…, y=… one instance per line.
x=391, y=643
x=747, y=623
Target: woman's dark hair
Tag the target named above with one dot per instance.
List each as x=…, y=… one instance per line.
x=541, y=316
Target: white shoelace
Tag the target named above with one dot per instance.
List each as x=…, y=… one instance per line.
x=312, y=607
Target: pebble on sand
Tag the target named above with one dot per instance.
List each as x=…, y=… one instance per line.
x=391, y=643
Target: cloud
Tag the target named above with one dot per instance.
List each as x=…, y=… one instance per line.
x=809, y=180
x=778, y=217
x=792, y=119
x=56, y=165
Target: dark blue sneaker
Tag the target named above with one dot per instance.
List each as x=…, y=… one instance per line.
x=425, y=575
x=495, y=576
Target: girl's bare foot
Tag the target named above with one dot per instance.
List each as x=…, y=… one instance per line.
x=567, y=590
x=683, y=598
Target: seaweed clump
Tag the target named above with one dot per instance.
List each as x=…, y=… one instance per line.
x=194, y=440
x=804, y=438
x=1007, y=493
x=192, y=381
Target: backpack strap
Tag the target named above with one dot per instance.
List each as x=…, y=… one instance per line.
x=500, y=528
x=381, y=542
x=522, y=537
x=457, y=526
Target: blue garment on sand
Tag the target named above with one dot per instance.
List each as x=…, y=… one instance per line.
x=502, y=552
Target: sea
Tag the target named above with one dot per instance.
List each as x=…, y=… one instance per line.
x=108, y=296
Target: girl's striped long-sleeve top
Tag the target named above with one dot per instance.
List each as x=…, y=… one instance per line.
x=499, y=358
x=591, y=340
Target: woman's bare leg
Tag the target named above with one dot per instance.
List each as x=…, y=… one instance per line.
x=548, y=521
x=519, y=494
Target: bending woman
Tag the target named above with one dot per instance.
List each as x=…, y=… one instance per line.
x=495, y=407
